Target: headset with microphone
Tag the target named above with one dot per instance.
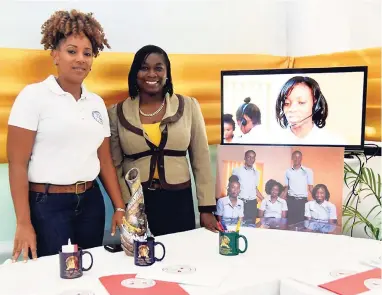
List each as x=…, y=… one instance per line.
x=243, y=120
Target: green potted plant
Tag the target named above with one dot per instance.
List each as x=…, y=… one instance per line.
x=363, y=184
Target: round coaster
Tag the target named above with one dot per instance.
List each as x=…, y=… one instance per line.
x=137, y=283
x=339, y=273
x=180, y=269
x=373, y=283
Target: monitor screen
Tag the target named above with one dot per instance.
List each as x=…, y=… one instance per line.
x=310, y=106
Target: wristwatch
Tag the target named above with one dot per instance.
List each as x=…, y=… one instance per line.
x=120, y=210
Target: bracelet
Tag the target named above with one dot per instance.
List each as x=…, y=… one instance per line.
x=120, y=210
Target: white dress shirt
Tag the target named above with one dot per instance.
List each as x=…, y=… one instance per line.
x=249, y=180
x=298, y=180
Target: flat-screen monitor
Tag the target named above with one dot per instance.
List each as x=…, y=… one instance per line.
x=306, y=106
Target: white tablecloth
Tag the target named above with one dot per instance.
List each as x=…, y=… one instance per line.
x=272, y=255
x=293, y=287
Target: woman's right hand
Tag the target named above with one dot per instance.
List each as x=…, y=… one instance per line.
x=25, y=239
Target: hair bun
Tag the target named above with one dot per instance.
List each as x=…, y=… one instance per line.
x=227, y=117
x=247, y=100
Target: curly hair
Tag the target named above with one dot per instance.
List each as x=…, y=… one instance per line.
x=270, y=184
x=62, y=24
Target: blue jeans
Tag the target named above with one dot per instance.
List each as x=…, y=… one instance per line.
x=58, y=217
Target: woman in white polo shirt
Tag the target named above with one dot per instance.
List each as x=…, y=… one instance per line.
x=320, y=208
x=230, y=208
x=274, y=206
x=58, y=143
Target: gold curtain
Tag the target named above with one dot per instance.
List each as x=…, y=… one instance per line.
x=370, y=57
x=196, y=75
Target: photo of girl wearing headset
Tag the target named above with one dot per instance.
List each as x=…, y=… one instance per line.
x=301, y=109
x=248, y=117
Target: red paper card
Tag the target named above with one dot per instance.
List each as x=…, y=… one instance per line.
x=127, y=284
x=355, y=284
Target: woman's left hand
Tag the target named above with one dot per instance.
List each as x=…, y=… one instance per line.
x=209, y=221
x=116, y=221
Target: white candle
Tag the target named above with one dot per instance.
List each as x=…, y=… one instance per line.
x=69, y=248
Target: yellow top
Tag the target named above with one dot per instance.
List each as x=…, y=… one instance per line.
x=154, y=134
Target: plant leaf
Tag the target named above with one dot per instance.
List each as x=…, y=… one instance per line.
x=366, y=232
x=371, y=211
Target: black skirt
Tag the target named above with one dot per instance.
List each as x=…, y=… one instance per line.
x=169, y=211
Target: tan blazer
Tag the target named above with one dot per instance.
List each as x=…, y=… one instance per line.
x=183, y=130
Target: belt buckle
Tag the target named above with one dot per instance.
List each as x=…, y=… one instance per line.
x=154, y=186
x=78, y=184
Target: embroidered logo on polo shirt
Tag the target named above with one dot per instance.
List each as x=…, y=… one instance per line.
x=97, y=116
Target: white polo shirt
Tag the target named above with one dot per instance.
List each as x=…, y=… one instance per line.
x=256, y=135
x=69, y=132
x=249, y=180
x=225, y=209
x=298, y=181
x=324, y=211
x=273, y=209
x=319, y=136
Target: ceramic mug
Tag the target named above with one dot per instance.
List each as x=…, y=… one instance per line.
x=71, y=264
x=144, y=252
x=229, y=243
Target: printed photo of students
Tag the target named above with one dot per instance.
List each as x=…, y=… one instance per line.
x=320, y=209
x=274, y=206
x=299, y=182
x=230, y=208
x=285, y=205
x=249, y=180
x=229, y=128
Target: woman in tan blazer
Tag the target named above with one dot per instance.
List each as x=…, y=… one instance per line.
x=153, y=130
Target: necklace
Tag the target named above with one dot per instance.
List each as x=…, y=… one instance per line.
x=153, y=114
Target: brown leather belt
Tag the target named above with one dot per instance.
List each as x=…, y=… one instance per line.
x=77, y=188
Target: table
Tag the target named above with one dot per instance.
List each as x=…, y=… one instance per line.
x=302, y=283
x=317, y=227
x=272, y=223
x=273, y=255
x=293, y=287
